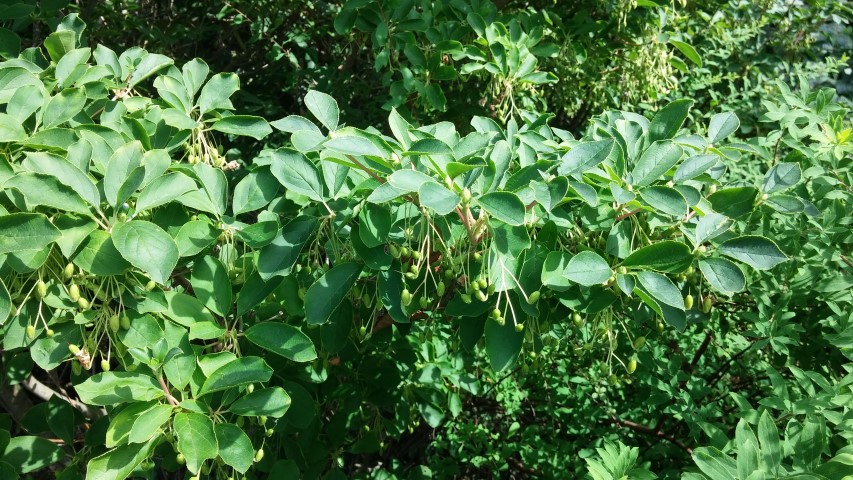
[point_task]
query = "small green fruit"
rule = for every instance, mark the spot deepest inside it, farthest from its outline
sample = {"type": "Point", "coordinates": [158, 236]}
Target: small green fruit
{"type": "Point", "coordinates": [688, 301]}
{"type": "Point", "coordinates": [519, 327]}
{"type": "Point", "coordinates": [181, 459]}
{"type": "Point", "coordinates": [68, 271]}
{"type": "Point", "coordinates": [362, 330]}
{"type": "Point", "coordinates": [74, 349]}
{"type": "Point", "coordinates": [151, 285]}
{"type": "Point", "coordinates": [707, 304]}
{"type": "Point", "coordinates": [49, 332]}
{"type": "Point", "coordinates": [612, 379]}
{"type": "Point", "coordinates": [577, 319]}
{"type": "Point", "coordinates": [481, 296]}
{"type": "Point", "coordinates": [41, 289]}
{"type": "Point", "coordinates": [124, 322]}
{"type": "Point", "coordinates": [74, 292]}
{"type": "Point", "coordinates": [83, 303]}
{"type": "Point", "coordinates": [114, 323]}
{"type": "Point", "coordinates": [250, 388]}
{"type": "Point", "coordinates": [105, 365]}
{"type": "Point", "coordinates": [632, 366]}
{"type": "Point", "coordinates": [534, 297]}
{"type": "Point", "coordinates": [31, 332]}
{"type": "Point", "coordinates": [406, 297]}
{"type": "Point", "coordinates": [259, 455]}
{"type": "Point", "coordinates": [639, 342]}
{"type": "Point", "coordinates": [440, 289]}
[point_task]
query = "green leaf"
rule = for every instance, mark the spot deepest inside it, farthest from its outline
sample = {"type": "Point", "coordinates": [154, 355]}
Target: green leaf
{"type": "Point", "coordinates": [409, 180]}
{"type": "Point", "coordinates": [782, 177]}
{"type": "Point", "coordinates": [242, 371]}
{"type": "Point", "coordinates": [661, 288]}
{"type": "Point", "coordinates": [438, 198]}
{"type": "Point", "coordinates": [723, 275]}
{"type": "Point", "coordinates": [5, 305]}
{"type": "Point", "coordinates": [588, 268]}
{"type": "Point", "coordinates": [297, 173]}
{"type": "Point", "coordinates": [217, 91]}
{"type": "Point", "coordinates": [667, 257]}
{"type": "Point", "coordinates": [747, 455]}
{"type": "Point", "coordinates": [771, 447]}
{"type": "Point", "coordinates": [324, 108]}
{"type": "Point", "coordinates": [163, 190]}
{"type": "Point", "coordinates": [655, 161]}
{"type": "Point", "coordinates": [64, 171]}
{"type": "Point", "coordinates": [278, 258]}
{"type": "Point", "coordinates": [325, 294]}
{"type": "Point", "coordinates": [28, 454]}
{"type": "Point", "coordinates": [147, 247]}
{"type": "Point", "coordinates": [120, 167]}
{"type": "Point", "coordinates": [282, 339]}
{"type": "Point", "coordinates": [235, 448]}
{"type": "Point", "coordinates": [585, 156]}
{"type": "Point", "coordinates": [254, 291]}
{"type": "Point", "coordinates": [39, 189]}
{"type": "Point", "coordinates": [121, 423]}
{"type": "Point", "coordinates": [734, 202]}
{"type": "Point", "coordinates": [668, 120]}
{"type": "Point", "coordinates": [11, 129]}
{"type": "Point", "coordinates": [149, 423]}
{"type": "Point", "coordinates": [195, 236]}
{"type": "Point", "coordinates": [119, 463]}
{"type": "Point", "coordinates": [64, 106]}
{"type": "Point", "coordinates": [374, 225]}
{"type": "Point", "coordinates": [272, 402]}
{"type": "Point", "coordinates": [113, 388]}
{"type": "Point", "coordinates": [665, 200]}
{"type": "Point", "coordinates": [503, 343]}
{"type": "Point", "coordinates": [722, 125]}
{"type": "Point", "coordinates": [260, 234]}
{"type": "Point", "coordinates": [756, 251]}
{"type": "Point", "coordinates": [243, 125]}
{"type": "Point", "coordinates": [688, 51]}
{"type": "Point", "coordinates": [295, 123]}
{"type": "Point", "coordinates": [211, 285]}
{"type": "Point", "coordinates": [26, 231]}
{"type": "Point", "coordinates": [184, 309]}
{"type": "Point", "coordinates": [98, 255]}
{"type": "Point", "coordinates": [254, 191]}
{"type": "Point", "coordinates": [714, 463]}
{"type": "Point", "coordinates": [196, 439]}
{"type": "Point", "coordinates": [504, 206]}
{"type": "Point", "coordinates": [694, 166]}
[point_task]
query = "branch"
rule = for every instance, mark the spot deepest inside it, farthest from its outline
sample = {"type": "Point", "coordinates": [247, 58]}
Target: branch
{"type": "Point", "coordinates": [704, 346]}
{"type": "Point", "coordinates": [34, 386]}
{"type": "Point", "coordinates": [646, 430]}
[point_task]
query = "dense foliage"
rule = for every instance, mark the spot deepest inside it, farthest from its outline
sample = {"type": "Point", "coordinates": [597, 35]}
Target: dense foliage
{"type": "Point", "coordinates": [596, 239]}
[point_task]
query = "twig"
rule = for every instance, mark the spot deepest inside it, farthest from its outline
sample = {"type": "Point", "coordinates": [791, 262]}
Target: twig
{"type": "Point", "coordinates": [172, 401]}
{"type": "Point", "coordinates": [626, 215]}
{"type": "Point", "coordinates": [847, 261]}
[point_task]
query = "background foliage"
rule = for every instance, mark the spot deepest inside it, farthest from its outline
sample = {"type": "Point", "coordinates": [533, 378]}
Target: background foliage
{"type": "Point", "coordinates": [411, 239]}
